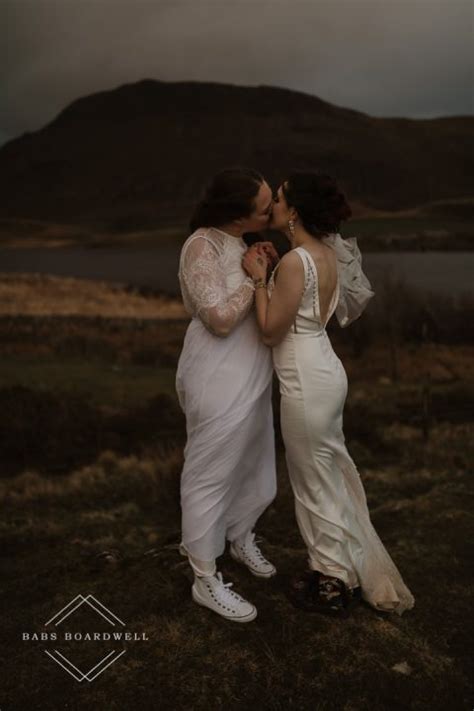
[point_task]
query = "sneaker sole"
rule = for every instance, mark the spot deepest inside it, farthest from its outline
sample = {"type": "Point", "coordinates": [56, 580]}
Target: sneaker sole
{"type": "Point", "coordinates": [252, 570]}
{"type": "Point", "coordinates": [246, 618]}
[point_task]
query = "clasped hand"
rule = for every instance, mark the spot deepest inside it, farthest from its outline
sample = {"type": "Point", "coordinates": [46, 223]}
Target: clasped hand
{"type": "Point", "coordinates": [260, 258]}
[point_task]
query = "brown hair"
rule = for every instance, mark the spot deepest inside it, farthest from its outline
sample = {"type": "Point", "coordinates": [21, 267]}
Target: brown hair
{"type": "Point", "coordinates": [230, 195]}
{"type": "Point", "coordinates": [320, 204]}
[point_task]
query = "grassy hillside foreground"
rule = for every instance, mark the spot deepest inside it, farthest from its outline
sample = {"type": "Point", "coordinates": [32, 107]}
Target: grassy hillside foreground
{"type": "Point", "coordinates": [93, 440]}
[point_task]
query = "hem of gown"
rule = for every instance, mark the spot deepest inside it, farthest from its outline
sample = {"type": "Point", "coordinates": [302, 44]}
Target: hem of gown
{"type": "Point", "coordinates": [399, 608]}
{"type": "Point", "coordinates": [389, 606]}
{"type": "Point", "coordinates": [390, 594]}
{"type": "Point", "coordinates": [338, 573]}
{"type": "Point", "coordinates": [239, 528]}
{"type": "Point", "coordinates": [201, 568]}
{"type": "Point", "coordinates": [247, 524]}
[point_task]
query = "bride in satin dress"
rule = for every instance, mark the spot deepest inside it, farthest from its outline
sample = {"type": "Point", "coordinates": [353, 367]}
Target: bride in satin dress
{"type": "Point", "coordinates": [320, 276]}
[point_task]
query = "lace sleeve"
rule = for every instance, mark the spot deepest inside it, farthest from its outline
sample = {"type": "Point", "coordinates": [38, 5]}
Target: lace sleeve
{"type": "Point", "coordinates": [205, 283]}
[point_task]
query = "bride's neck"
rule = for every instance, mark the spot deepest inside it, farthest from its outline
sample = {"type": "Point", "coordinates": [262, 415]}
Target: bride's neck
{"type": "Point", "coordinates": [232, 230]}
{"type": "Point", "coordinates": [300, 238]}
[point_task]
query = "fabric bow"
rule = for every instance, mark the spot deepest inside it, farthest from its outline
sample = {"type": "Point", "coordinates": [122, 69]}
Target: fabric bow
{"type": "Point", "coordinates": [355, 290]}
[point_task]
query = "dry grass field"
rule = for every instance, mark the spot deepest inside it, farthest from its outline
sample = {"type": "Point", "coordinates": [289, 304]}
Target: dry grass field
{"type": "Point", "coordinates": [48, 295]}
{"type": "Point", "coordinates": [92, 448]}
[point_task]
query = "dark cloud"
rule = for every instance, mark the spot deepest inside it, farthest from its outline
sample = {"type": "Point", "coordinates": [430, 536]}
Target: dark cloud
{"type": "Point", "coordinates": [383, 57]}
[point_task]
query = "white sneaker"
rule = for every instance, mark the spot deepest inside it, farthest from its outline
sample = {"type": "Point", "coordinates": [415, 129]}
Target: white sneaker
{"type": "Point", "coordinates": [211, 592]}
{"type": "Point", "coordinates": [249, 554]}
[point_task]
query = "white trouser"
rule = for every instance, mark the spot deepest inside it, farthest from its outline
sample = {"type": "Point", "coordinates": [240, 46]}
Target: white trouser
{"type": "Point", "coordinates": [204, 568]}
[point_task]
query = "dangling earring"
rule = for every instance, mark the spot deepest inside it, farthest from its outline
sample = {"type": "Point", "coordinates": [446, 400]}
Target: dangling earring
{"type": "Point", "coordinates": [291, 225]}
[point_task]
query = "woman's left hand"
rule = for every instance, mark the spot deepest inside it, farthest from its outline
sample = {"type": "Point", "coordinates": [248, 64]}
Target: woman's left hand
{"type": "Point", "coordinates": [255, 263]}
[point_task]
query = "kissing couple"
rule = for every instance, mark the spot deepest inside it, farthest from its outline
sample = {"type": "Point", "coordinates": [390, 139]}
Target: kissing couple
{"type": "Point", "coordinates": [253, 313]}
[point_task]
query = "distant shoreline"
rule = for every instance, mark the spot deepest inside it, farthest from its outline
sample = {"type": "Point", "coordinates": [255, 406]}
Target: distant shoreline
{"type": "Point", "coordinates": [417, 230]}
{"type": "Point", "coordinates": [423, 242]}
{"type": "Point", "coordinates": [151, 271]}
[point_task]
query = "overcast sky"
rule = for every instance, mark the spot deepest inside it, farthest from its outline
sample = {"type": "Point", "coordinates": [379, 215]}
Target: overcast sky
{"type": "Point", "coordinates": [408, 58]}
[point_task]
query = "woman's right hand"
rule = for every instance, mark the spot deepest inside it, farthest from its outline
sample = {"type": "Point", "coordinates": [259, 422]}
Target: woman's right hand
{"type": "Point", "coordinates": [255, 263]}
{"type": "Point", "coordinates": [269, 249]}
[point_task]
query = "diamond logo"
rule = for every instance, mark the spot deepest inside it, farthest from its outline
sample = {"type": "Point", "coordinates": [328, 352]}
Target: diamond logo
{"type": "Point", "coordinates": [107, 615]}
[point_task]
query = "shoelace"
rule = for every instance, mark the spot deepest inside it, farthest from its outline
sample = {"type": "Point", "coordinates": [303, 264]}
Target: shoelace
{"type": "Point", "coordinates": [228, 594]}
{"type": "Point", "coordinates": [251, 547]}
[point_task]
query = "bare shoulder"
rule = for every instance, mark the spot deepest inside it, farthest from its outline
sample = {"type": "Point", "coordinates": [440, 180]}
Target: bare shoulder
{"type": "Point", "coordinates": [291, 262]}
{"type": "Point", "coordinates": [290, 269]}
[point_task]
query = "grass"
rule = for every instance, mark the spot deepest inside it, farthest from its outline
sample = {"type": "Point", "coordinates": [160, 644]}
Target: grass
{"type": "Point", "coordinates": [56, 533]}
{"type": "Point", "coordinates": [16, 233]}
{"type": "Point", "coordinates": [48, 295]}
{"type": "Point", "coordinates": [109, 384]}
{"type": "Point", "coordinates": [92, 443]}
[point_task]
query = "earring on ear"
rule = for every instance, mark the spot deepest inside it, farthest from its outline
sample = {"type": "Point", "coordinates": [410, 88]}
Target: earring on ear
{"type": "Point", "coordinates": [291, 225]}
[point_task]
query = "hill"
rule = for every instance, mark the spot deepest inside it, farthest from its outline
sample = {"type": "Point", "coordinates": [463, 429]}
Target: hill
{"type": "Point", "coordinates": [137, 156]}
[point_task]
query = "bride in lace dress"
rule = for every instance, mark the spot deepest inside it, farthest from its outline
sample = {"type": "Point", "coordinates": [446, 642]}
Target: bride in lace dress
{"type": "Point", "coordinates": [321, 275]}
{"type": "Point", "coordinates": [224, 386]}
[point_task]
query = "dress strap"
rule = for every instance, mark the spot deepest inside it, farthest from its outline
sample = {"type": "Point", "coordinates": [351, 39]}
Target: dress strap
{"type": "Point", "coordinates": [310, 277]}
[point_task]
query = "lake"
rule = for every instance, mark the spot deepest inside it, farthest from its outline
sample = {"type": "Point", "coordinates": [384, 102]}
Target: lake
{"type": "Point", "coordinates": [440, 272]}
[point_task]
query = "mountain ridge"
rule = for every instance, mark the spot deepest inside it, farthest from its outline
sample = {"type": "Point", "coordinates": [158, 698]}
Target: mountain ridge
{"type": "Point", "coordinates": [140, 153]}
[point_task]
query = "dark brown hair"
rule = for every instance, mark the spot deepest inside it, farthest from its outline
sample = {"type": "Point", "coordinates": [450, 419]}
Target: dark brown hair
{"type": "Point", "coordinates": [230, 195]}
{"type": "Point", "coordinates": [318, 200]}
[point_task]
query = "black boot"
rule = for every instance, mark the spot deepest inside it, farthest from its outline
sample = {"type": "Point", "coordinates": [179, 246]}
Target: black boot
{"type": "Point", "coordinates": [313, 593]}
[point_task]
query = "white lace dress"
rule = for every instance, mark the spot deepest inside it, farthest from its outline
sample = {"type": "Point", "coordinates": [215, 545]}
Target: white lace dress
{"type": "Point", "coordinates": [224, 386]}
{"type": "Point", "coordinates": [330, 501]}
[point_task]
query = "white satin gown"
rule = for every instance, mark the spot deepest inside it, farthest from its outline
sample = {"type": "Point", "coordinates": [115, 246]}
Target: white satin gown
{"type": "Point", "coordinates": [224, 386]}
{"type": "Point", "coordinates": [330, 501]}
